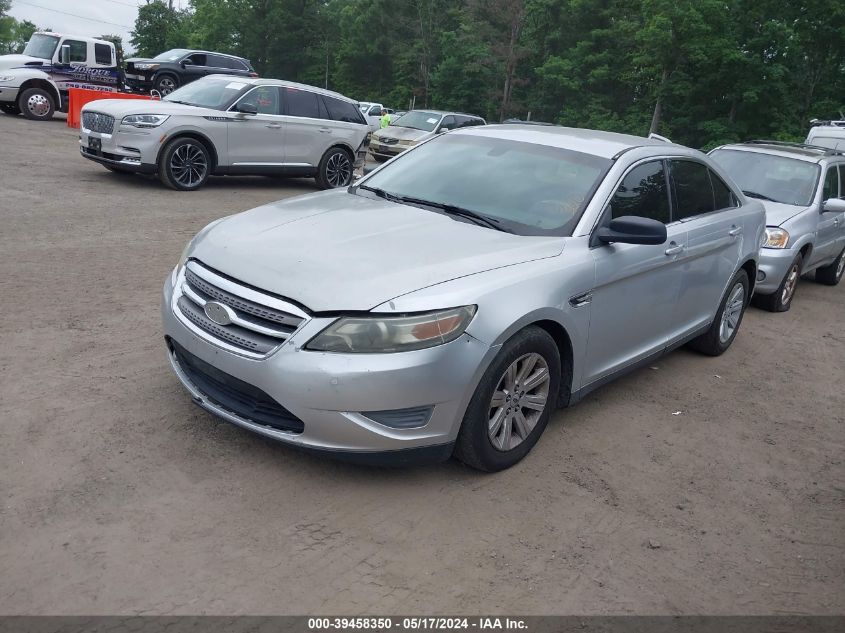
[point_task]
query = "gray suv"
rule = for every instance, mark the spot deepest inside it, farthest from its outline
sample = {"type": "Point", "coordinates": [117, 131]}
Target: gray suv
{"type": "Point", "coordinates": [449, 301]}
{"type": "Point", "coordinates": [802, 188]}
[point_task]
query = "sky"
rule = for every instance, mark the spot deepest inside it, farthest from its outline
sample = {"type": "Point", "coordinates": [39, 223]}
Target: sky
{"type": "Point", "coordinates": [83, 17]}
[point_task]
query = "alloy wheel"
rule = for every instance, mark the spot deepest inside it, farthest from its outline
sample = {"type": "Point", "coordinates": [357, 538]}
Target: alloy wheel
{"type": "Point", "coordinates": [518, 401]}
{"type": "Point", "coordinates": [790, 284]}
{"type": "Point", "coordinates": [166, 85]}
{"type": "Point", "coordinates": [188, 165]}
{"type": "Point", "coordinates": [338, 169]}
{"type": "Point", "coordinates": [732, 313]}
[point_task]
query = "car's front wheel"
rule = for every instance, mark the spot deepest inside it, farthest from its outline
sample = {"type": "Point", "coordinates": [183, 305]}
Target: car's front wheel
{"type": "Point", "coordinates": [184, 164]}
{"type": "Point", "coordinates": [512, 403]}
{"type": "Point", "coordinates": [832, 274]}
{"type": "Point", "coordinates": [37, 104]}
{"type": "Point", "coordinates": [10, 108]}
{"type": "Point", "coordinates": [335, 169]}
{"type": "Point", "coordinates": [165, 84]}
{"type": "Point", "coordinates": [781, 299]}
{"type": "Point", "coordinates": [725, 326]}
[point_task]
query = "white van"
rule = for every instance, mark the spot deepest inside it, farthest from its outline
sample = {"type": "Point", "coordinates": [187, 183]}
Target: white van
{"type": "Point", "coordinates": [827, 134]}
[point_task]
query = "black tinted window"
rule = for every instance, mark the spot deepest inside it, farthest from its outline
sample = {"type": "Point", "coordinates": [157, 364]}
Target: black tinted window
{"type": "Point", "coordinates": [831, 185]}
{"type": "Point", "coordinates": [722, 195]}
{"type": "Point", "coordinates": [197, 59]}
{"type": "Point", "coordinates": [342, 110]}
{"type": "Point", "coordinates": [448, 123]}
{"type": "Point", "coordinates": [643, 193]}
{"type": "Point", "coordinates": [842, 181]}
{"type": "Point", "coordinates": [102, 53]}
{"type": "Point", "coordinates": [301, 103]}
{"type": "Point", "coordinates": [78, 50]}
{"type": "Point", "coordinates": [693, 192]}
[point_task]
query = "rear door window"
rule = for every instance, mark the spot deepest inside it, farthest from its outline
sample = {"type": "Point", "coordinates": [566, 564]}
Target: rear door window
{"type": "Point", "coordinates": [842, 181]}
{"type": "Point", "coordinates": [643, 193]}
{"type": "Point", "coordinates": [693, 191]}
{"type": "Point", "coordinates": [722, 194]}
{"type": "Point", "coordinates": [301, 103]}
{"type": "Point", "coordinates": [342, 110]}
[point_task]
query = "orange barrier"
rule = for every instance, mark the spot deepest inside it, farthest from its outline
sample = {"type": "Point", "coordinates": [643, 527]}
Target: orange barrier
{"type": "Point", "coordinates": [78, 97]}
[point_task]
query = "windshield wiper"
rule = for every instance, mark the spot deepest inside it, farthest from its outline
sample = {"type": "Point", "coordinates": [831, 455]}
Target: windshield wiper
{"type": "Point", "coordinates": [754, 194]}
{"type": "Point", "coordinates": [451, 209]}
{"type": "Point", "coordinates": [381, 193]}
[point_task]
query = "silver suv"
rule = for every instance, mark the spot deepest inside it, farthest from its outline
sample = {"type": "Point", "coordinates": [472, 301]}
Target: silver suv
{"type": "Point", "coordinates": [229, 125]}
{"type": "Point", "coordinates": [453, 298]}
{"type": "Point", "coordinates": [802, 188]}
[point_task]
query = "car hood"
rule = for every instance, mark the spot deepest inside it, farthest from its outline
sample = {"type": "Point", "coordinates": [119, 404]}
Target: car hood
{"type": "Point", "coordinates": [122, 107]}
{"type": "Point", "coordinates": [16, 61]}
{"type": "Point", "coordinates": [337, 251]}
{"type": "Point", "coordinates": [777, 212]}
{"type": "Point", "coordinates": [145, 60]}
{"type": "Point", "coordinates": [403, 133]}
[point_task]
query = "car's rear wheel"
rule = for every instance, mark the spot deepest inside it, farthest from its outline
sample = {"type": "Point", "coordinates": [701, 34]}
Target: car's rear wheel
{"type": "Point", "coordinates": [335, 169]}
{"type": "Point", "coordinates": [832, 275]}
{"type": "Point", "coordinates": [10, 108]}
{"type": "Point", "coordinates": [781, 299]}
{"type": "Point", "coordinates": [166, 83]}
{"type": "Point", "coordinates": [725, 326]}
{"type": "Point", "coordinates": [37, 104]}
{"type": "Point", "coordinates": [512, 403]}
{"type": "Point", "coordinates": [184, 164]}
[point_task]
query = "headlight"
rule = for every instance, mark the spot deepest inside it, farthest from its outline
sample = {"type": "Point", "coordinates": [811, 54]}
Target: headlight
{"type": "Point", "coordinates": [145, 120]}
{"type": "Point", "coordinates": [146, 66]}
{"type": "Point", "coordinates": [6, 77]}
{"type": "Point", "coordinates": [776, 237]}
{"type": "Point", "coordinates": [381, 333]}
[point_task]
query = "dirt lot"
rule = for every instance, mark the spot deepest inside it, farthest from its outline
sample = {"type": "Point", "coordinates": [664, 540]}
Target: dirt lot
{"type": "Point", "coordinates": [117, 495]}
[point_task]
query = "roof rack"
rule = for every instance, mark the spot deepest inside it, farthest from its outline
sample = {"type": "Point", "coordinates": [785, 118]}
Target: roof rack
{"type": "Point", "coordinates": [824, 151]}
{"type": "Point", "coordinates": [819, 122]}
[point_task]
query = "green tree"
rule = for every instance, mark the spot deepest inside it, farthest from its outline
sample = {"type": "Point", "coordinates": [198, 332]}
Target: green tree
{"type": "Point", "coordinates": [158, 28]}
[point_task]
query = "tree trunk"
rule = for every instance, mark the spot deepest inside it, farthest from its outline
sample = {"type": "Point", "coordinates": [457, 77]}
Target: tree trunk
{"type": "Point", "coordinates": [658, 104]}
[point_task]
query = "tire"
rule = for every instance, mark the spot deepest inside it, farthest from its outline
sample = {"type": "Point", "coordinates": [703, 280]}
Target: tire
{"type": "Point", "coordinates": [832, 274]}
{"type": "Point", "coordinates": [336, 169]}
{"type": "Point", "coordinates": [166, 83]}
{"type": "Point", "coordinates": [184, 164]}
{"type": "Point", "coordinates": [495, 448]}
{"type": "Point", "coordinates": [10, 108]}
{"type": "Point", "coordinates": [716, 340]}
{"type": "Point", "coordinates": [781, 299]}
{"type": "Point", "coordinates": [37, 104]}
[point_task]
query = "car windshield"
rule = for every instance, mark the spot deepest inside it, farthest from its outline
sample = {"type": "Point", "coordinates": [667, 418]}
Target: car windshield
{"type": "Point", "coordinates": [770, 177]}
{"type": "Point", "coordinates": [418, 120]}
{"type": "Point", "coordinates": [171, 56]}
{"type": "Point", "coordinates": [525, 188]}
{"type": "Point", "coordinates": [217, 93]}
{"type": "Point", "coordinates": [42, 46]}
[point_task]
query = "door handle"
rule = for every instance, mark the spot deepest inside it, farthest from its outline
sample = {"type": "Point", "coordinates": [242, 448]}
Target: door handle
{"type": "Point", "coordinates": [273, 126]}
{"type": "Point", "coordinates": [326, 130]}
{"type": "Point", "coordinates": [737, 230]}
{"type": "Point", "coordinates": [674, 250]}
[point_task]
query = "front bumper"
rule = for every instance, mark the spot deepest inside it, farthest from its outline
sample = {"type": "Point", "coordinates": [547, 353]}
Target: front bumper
{"type": "Point", "coordinates": [330, 393]}
{"type": "Point", "coordinates": [129, 149]}
{"type": "Point", "coordinates": [137, 83]}
{"type": "Point", "coordinates": [8, 94]}
{"type": "Point", "coordinates": [383, 150]}
{"type": "Point", "coordinates": [773, 265]}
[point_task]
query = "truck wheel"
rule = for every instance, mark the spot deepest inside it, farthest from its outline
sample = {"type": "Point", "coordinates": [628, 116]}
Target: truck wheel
{"type": "Point", "coordinates": [165, 84]}
{"type": "Point", "coordinates": [184, 164]}
{"type": "Point", "coordinates": [10, 108]}
{"type": "Point", "coordinates": [781, 299]}
{"type": "Point", "coordinates": [37, 104]}
{"type": "Point", "coordinates": [832, 274]}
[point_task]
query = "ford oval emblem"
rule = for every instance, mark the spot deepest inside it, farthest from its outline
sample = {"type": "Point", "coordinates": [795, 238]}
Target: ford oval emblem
{"type": "Point", "coordinates": [220, 313]}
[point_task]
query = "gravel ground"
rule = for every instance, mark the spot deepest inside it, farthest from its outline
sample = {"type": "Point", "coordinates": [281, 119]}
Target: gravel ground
{"type": "Point", "coordinates": [119, 496]}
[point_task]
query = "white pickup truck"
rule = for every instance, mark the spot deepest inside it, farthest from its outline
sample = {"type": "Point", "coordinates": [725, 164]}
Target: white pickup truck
{"type": "Point", "coordinates": [36, 82]}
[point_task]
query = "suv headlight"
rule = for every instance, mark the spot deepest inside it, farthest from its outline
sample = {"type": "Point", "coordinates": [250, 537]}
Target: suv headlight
{"type": "Point", "coordinates": [6, 77]}
{"type": "Point", "coordinates": [146, 66]}
{"type": "Point", "coordinates": [383, 334]}
{"type": "Point", "coordinates": [776, 237]}
{"type": "Point", "coordinates": [145, 120]}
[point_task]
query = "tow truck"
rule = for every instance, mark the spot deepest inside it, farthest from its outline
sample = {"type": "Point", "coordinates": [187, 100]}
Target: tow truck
{"type": "Point", "coordinates": [36, 83]}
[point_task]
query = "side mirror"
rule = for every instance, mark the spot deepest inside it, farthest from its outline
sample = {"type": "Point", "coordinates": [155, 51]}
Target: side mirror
{"type": "Point", "coordinates": [833, 205]}
{"type": "Point", "coordinates": [246, 108]}
{"type": "Point", "coordinates": [64, 55]}
{"type": "Point", "coordinates": [631, 229]}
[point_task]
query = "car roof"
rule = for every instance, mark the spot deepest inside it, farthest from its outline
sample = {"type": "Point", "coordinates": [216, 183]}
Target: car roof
{"type": "Point", "coordinates": [82, 38]}
{"type": "Point", "coordinates": [799, 151]}
{"type": "Point", "coordinates": [263, 81]}
{"type": "Point", "coordinates": [197, 50]}
{"type": "Point", "coordinates": [445, 112]}
{"type": "Point", "coordinates": [596, 142]}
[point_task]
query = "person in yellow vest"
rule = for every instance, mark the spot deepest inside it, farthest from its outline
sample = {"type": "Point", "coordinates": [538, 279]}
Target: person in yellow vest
{"type": "Point", "coordinates": [385, 119]}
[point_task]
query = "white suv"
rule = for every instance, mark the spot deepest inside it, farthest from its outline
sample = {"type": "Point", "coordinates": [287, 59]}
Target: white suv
{"type": "Point", "coordinates": [222, 125]}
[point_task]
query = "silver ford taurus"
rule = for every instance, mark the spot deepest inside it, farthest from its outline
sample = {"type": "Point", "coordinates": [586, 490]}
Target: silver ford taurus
{"type": "Point", "coordinates": [450, 300]}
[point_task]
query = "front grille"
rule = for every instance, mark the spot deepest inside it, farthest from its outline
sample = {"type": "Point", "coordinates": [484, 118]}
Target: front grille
{"type": "Point", "coordinates": [255, 327]}
{"type": "Point", "coordinates": [234, 395]}
{"type": "Point", "coordinates": [98, 122]}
